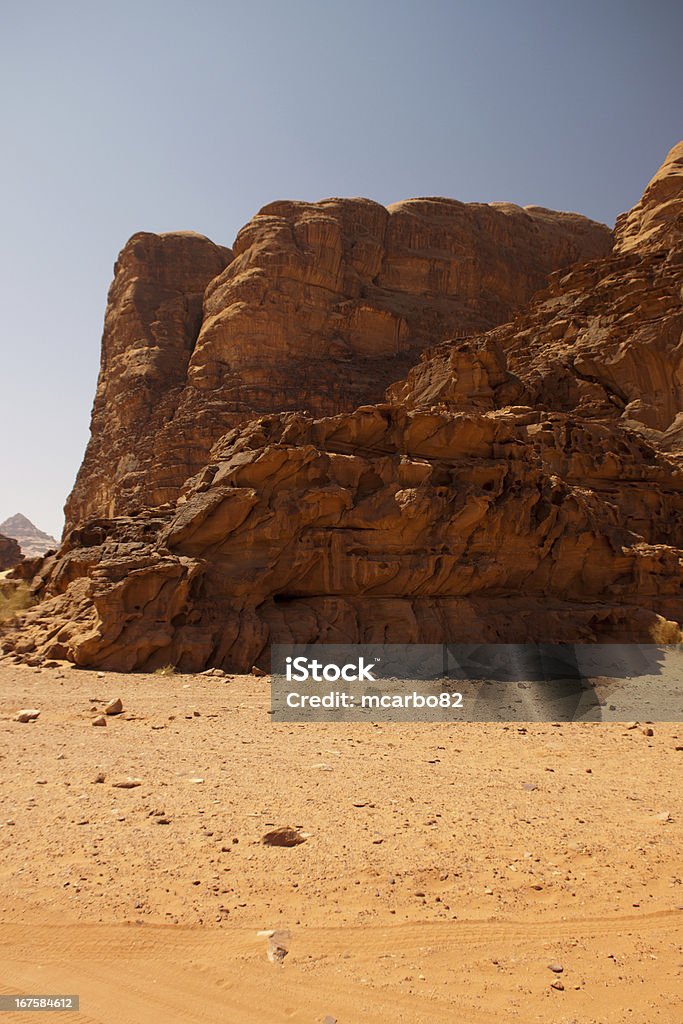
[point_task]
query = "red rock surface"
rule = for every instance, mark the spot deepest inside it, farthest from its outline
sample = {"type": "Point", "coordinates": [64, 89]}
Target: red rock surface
{"type": "Point", "coordinates": [319, 307]}
{"type": "Point", "coordinates": [153, 317]}
{"type": "Point", "coordinates": [524, 483]}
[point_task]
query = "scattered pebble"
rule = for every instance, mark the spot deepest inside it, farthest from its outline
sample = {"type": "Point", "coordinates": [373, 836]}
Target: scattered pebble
{"type": "Point", "coordinates": [556, 968]}
{"type": "Point", "coordinates": [127, 783]}
{"type": "Point", "coordinates": [100, 720]}
{"type": "Point", "coordinates": [99, 777]}
{"type": "Point", "coordinates": [284, 836]}
{"type": "Point", "coordinates": [114, 707]}
{"type": "Point", "coordinates": [27, 715]}
{"type": "Point", "coordinates": [278, 946]}
{"type": "Point", "coordinates": [648, 731]}
{"type": "Point", "coordinates": [558, 985]}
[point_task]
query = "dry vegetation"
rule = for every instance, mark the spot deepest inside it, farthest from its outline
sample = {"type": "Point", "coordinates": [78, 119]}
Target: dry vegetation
{"type": "Point", "coordinates": [15, 597]}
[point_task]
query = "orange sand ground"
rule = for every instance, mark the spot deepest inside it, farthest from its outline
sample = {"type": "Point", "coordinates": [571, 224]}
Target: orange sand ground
{"type": "Point", "coordinates": [447, 865]}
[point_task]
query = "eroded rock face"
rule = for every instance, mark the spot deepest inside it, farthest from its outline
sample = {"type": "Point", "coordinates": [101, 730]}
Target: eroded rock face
{"type": "Point", "coordinates": [656, 222]}
{"type": "Point", "coordinates": [604, 340]}
{"type": "Point", "coordinates": [153, 318]}
{"type": "Point", "coordinates": [524, 483]}
{"type": "Point", "coordinates": [319, 307]}
{"type": "Point", "coordinates": [384, 525]}
{"type": "Point", "coordinates": [10, 553]}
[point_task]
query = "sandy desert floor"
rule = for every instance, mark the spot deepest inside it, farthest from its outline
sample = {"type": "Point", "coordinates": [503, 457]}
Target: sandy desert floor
{"type": "Point", "coordinates": [446, 866]}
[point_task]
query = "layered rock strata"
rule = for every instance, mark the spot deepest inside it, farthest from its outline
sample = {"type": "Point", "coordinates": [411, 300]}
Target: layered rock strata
{"type": "Point", "coordinates": [319, 306]}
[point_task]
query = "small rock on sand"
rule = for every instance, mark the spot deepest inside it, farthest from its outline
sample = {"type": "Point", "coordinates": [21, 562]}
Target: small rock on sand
{"type": "Point", "coordinates": [27, 715]}
{"type": "Point", "coordinates": [278, 945]}
{"type": "Point", "coordinates": [100, 720]}
{"type": "Point", "coordinates": [127, 783]}
{"type": "Point", "coordinates": [284, 836]}
{"type": "Point", "coordinates": [114, 707]}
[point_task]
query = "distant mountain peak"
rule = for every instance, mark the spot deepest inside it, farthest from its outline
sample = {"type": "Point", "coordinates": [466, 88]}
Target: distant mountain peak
{"type": "Point", "coordinates": [33, 542]}
{"type": "Point", "coordinates": [19, 520]}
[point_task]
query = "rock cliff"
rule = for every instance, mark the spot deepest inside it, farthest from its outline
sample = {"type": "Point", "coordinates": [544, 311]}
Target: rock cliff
{"type": "Point", "coordinates": [319, 306]}
{"type": "Point", "coordinates": [522, 483]}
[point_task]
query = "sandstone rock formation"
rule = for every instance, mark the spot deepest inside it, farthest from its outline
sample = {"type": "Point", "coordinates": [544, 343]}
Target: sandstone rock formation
{"type": "Point", "coordinates": [319, 306]}
{"type": "Point", "coordinates": [10, 553]}
{"type": "Point", "coordinates": [604, 340]}
{"type": "Point", "coordinates": [523, 483]}
{"type": "Point", "coordinates": [153, 317]}
{"type": "Point", "coordinates": [655, 222]}
{"type": "Point", "coordinates": [33, 542]}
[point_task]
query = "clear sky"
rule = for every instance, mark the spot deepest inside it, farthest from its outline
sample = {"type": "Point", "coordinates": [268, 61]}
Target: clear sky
{"type": "Point", "coordinates": [160, 115]}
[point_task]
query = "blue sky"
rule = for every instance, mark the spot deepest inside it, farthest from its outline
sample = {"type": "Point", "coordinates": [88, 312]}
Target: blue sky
{"type": "Point", "coordinates": [191, 115]}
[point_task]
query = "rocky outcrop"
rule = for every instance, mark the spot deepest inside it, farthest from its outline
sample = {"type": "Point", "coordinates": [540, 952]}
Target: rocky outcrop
{"type": "Point", "coordinates": [604, 340]}
{"type": "Point", "coordinates": [153, 318]}
{"type": "Point", "coordinates": [521, 484]}
{"type": "Point", "coordinates": [10, 553]}
{"type": "Point", "coordinates": [319, 306]}
{"type": "Point", "coordinates": [382, 525]}
{"type": "Point", "coordinates": [656, 222]}
{"type": "Point", "coordinates": [32, 541]}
